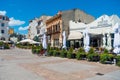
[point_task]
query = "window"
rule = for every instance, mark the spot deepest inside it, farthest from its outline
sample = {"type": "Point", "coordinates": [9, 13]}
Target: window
{"type": "Point", "coordinates": [39, 22]}
{"type": "Point", "coordinates": [56, 42]}
{"type": "Point", "coordinates": [3, 18]}
{"type": "Point", "coordinates": [2, 31]}
{"type": "Point", "coordinates": [38, 31]}
{"type": "Point", "coordinates": [58, 27]}
{"type": "Point", "coordinates": [2, 24]}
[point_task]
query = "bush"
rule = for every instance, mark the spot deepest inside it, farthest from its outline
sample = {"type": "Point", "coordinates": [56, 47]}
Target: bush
{"type": "Point", "coordinates": [50, 53]}
{"type": "Point", "coordinates": [91, 51]}
{"type": "Point", "coordinates": [118, 64]}
{"type": "Point", "coordinates": [73, 55]}
{"type": "Point", "coordinates": [38, 51]}
{"type": "Point", "coordinates": [93, 57]}
{"type": "Point", "coordinates": [54, 53]}
{"type": "Point", "coordinates": [105, 51]}
{"type": "Point", "coordinates": [63, 53]}
{"type": "Point", "coordinates": [24, 46]}
{"type": "Point", "coordinates": [105, 57]}
{"type": "Point", "coordinates": [81, 50]}
{"type": "Point", "coordinates": [80, 55]}
{"type": "Point", "coordinates": [48, 47]}
{"type": "Point", "coordinates": [69, 55]}
{"type": "Point", "coordinates": [57, 53]}
{"type": "Point", "coordinates": [40, 47]}
{"type": "Point", "coordinates": [33, 49]}
{"type": "Point", "coordinates": [6, 46]}
{"type": "Point", "coordinates": [118, 60]}
{"type": "Point", "coordinates": [1, 43]}
{"type": "Point", "coordinates": [71, 49]}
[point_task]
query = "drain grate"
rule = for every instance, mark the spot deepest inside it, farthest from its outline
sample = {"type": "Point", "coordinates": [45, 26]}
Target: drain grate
{"type": "Point", "coordinates": [100, 74]}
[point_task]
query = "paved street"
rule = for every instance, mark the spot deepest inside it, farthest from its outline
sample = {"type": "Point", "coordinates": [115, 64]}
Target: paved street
{"type": "Point", "coordinates": [21, 64]}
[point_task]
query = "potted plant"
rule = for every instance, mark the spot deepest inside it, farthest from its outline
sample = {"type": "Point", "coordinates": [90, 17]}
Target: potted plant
{"type": "Point", "coordinates": [92, 56]}
{"type": "Point", "coordinates": [80, 54]}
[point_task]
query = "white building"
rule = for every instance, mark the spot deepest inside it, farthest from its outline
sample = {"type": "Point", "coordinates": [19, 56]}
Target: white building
{"type": "Point", "coordinates": [37, 27]}
{"type": "Point", "coordinates": [4, 28]}
{"type": "Point", "coordinates": [41, 28]}
{"type": "Point", "coordinates": [32, 31]}
{"type": "Point", "coordinates": [101, 27]}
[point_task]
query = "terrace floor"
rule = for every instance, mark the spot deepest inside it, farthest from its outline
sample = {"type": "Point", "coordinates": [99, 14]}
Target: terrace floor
{"type": "Point", "coordinates": [21, 64]}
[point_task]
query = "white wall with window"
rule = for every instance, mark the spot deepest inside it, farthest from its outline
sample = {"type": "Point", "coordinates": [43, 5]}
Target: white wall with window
{"type": "Point", "coordinates": [4, 27]}
{"type": "Point", "coordinates": [32, 28]}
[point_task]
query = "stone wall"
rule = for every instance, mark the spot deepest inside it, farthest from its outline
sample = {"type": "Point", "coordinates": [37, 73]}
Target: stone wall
{"type": "Point", "coordinates": [75, 15]}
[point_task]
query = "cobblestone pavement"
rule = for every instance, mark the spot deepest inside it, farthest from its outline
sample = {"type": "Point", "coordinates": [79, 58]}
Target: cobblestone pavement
{"type": "Point", "coordinates": [21, 64]}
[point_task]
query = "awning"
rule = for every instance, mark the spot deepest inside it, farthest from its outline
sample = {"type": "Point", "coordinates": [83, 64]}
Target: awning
{"type": "Point", "coordinates": [75, 35]}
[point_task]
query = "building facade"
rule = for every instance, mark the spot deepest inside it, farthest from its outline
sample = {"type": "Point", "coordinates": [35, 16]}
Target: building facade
{"type": "Point", "coordinates": [4, 28]}
{"type": "Point", "coordinates": [101, 31]}
{"type": "Point", "coordinates": [37, 27]}
{"type": "Point", "coordinates": [32, 31]}
{"type": "Point", "coordinates": [60, 22]}
{"type": "Point", "coordinates": [41, 27]}
{"type": "Point", "coordinates": [54, 30]}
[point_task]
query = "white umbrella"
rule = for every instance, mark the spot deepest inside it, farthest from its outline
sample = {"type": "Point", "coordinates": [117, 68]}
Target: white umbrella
{"type": "Point", "coordinates": [116, 42]}
{"type": "Point", "coordinates": [29, 41]}
{"type": "Point", "coordinates": [109, 41]}
{"type": "Point", "coordinates": [44, 44]}
{"type": "Point", "coordinates": [34, 42]}
{"type": "Point", "coordinates": [104, 41]}
{"type": "Point", "coordinates": [26, 40]}
{"type": "Point", "coordinates": [86, 40]}
{"type": "Point", "coordinates": [64, 40]}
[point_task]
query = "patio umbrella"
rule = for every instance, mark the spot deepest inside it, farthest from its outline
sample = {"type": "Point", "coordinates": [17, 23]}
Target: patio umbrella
{"type": "Point", "coordinates": [44, 44]}
{"type": "Point", "coordinates": [86, 40]}
{"type": "Point", "coordinates": [26, 40]}
{"type": "Point", "coordinates": [64, 40]}
{"type": "Point", "coordinates": [104, 41]}
{"type": "Point", "coordinates": [116, 42]}
{"type": "Point", "coordinates": [29, 41]}
{"type": "Point", "coordinates": [109, 41]}
{"type": "Point", "coordinates": [34, 42]}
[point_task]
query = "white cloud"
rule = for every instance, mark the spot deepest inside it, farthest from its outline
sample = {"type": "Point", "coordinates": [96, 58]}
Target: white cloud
{"type": "Point", "coordinates": [2, 12]}
{"type": "Point", "coordinates": [14, 22]}
{"type": "Point", "coordinates": [23, 28]}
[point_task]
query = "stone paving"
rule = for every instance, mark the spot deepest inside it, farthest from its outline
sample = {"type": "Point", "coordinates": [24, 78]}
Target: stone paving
{"type": "Point", "coordinates": [21, 64]}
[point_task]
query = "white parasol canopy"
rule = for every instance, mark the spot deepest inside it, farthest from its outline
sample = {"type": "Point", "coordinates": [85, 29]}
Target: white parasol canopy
{"type": "Point", "coordinates": [86, 40]}
{"type": "Point", "coordinates": [104, 41]}
{"type": "Point", "coordinates": [29, 41]}
{"type": "Point", "coordinates": [44, 44]}
{"type": "Point", "coordinates": [109, 47]}
{"type": "Point", "coordinates": [116, 43]}
{"type": "Point", "coordinates": [64, 40]}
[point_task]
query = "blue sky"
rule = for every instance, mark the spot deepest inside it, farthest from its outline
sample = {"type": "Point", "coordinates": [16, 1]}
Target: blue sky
{"type": "Point", "coordinates": [21, 11]}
